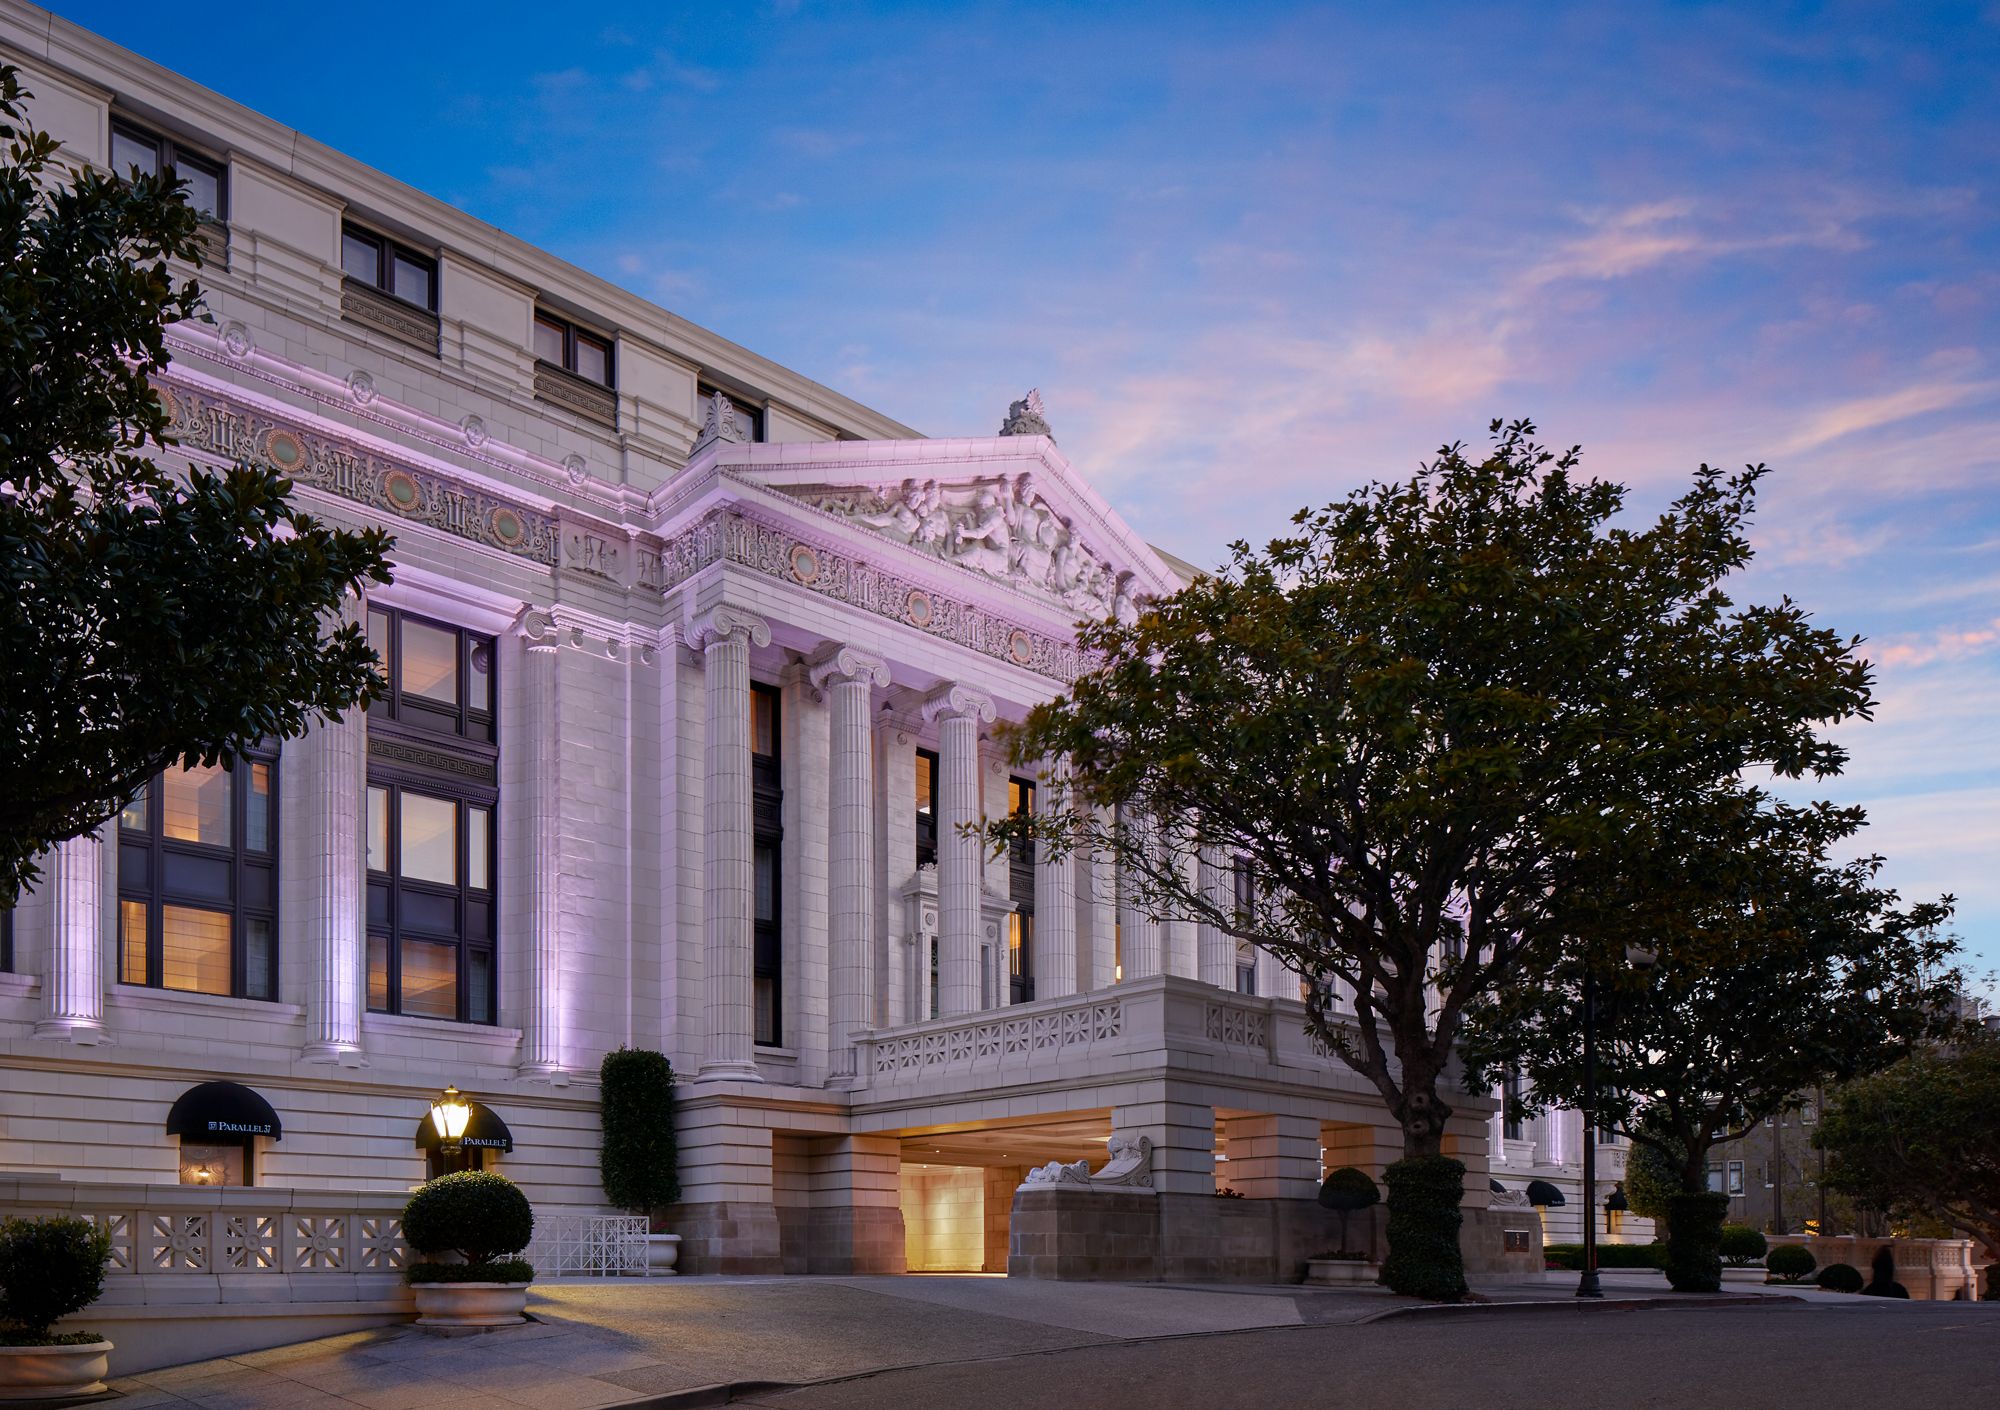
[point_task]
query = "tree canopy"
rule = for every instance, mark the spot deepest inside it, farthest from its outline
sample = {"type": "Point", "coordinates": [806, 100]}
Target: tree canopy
{"type": "Point", "coordinates": [1429, 720]}
{"type": "Point", "coordinates": [146, 615]}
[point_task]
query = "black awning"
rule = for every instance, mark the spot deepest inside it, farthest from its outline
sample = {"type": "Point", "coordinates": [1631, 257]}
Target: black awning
{"type": "Point", "coordinates": [223, 1109]}
{"type": "Point", "coordinates": [1616, 1201]}
{"type": "Point", "coordinates": [1543, 1195]}
{"type": "Point", "coordinates": [1495, 1186]}
{"type": "Point", "coordinates": [484, 1130]}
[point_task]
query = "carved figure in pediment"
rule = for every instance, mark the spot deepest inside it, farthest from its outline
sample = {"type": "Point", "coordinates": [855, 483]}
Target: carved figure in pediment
{"type": "Point", "coordinates": [899, 514]}
{"type": "Point", "coordinates": [1035, 549]}
{"type": "Point", "coordinates": [1125, 600]}
{"type": "Point", "coordinates": [982, 539]}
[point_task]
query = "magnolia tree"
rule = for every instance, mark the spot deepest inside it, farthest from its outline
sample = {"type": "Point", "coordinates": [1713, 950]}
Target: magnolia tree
{"type": "Point", "coordinates": [146, 615]}
{"type": "Point", "coordinates": [1736, 967]}
{"type": "Point", "coordinates": [1424, 722]}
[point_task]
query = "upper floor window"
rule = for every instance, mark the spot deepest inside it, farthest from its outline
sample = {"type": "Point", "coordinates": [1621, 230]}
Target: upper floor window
{"type": "Point", "coordinates": [563, 344]}
{"type": "Point", "coordinates": [749, 418]}
{"type": "Point", "coordinates": [767, 969]}
{"type": "Point", "coordinates": [197, 881]}
{"type": "Point", "coordinates": [431, 887]}
{"type": "Point", "coordinates": [381, 263]}
{"type": "Point", "coordinates": [134, 148]}
{"type": "Point", "coordinates": [440, 677]}
{"type": "Point", "coordinates": [1246, 968]}
{"type": "Point", "coordinates": [1021, 891]}
{"type": "Point", "coordinates": [1513, 1092]}
{"type": "Point", "coordinates": [927, 807]}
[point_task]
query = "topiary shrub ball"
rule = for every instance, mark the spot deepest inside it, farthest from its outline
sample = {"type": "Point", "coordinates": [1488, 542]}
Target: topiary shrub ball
{"type": "Point", "coordinates": [1840, 1277]}
{"type": "Point", "coordinates": [1790, 1262]}
{"type": "Point", "coordinates": [476, 1214]}
{"type": "Point", "coordinates": [49, 1269]}
{"type": "Point", "coordinates": [1348, 1189]}
{"type": "Point", "coordinates": [1742, 1245]}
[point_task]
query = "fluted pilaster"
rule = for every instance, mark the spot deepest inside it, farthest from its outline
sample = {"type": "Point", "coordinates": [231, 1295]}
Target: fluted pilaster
{"type": "Point", "coordinates": [541, 1036]}
{"type": "Point", "coordinates": [1055, 897]}
{"type": "Point", "coordinates": [1216, 947]}
{"type": "Point", "coordinates": [1138, 929]}
{"type": "Point", "coordinates": [73, 983]}
{"type": "Point", "coordinates": [335, 778]}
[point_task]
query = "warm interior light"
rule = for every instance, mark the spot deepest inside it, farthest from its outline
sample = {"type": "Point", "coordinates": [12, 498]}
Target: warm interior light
{"type": "Point", "coordinates": [203, 1174]}
{"type": "Point", "coordinates": [450, 1113]}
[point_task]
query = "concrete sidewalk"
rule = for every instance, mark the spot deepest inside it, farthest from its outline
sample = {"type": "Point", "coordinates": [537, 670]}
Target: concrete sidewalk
{"type": "Point", "coordinates": [602, 1343]}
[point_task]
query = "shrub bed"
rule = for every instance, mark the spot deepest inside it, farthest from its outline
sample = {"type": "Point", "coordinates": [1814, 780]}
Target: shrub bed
{"type": "Point", "coordinates": [1570, 1256]}
{"type": "Point", "coordinates": [1424, 1259]}
{"type": "Point", "coordinates": [477, 1214]}
{"type": "Point", "coordinates": [49, 1269]}
{"type": "Point", "coordinates": [1840, 1277]}
{"type": "Point", "coordinates": [504, 1270]}
{"type": "Point", "coordinates": [1791, 1262]}
{"type": "Point", "coordinates": [1742, 1245]}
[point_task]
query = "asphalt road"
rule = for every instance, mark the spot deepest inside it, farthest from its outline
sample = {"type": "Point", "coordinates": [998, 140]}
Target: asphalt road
{"type": "Point", "coordinates": [1865, 1355]}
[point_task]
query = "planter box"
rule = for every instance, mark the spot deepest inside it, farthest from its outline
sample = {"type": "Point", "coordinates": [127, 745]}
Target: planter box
{"type": "Point", "coordinates": [470, 1304]}
{"type": "Point", "coordinates": [663, 1251]}
{"type": "Point", "coordinates": [1342, 1272]}
{"type": "Point", "coordinates": [48, 1372]}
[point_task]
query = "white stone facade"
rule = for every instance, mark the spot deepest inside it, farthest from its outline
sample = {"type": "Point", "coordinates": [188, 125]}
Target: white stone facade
{"type": "Point", "coordinates": [654, 574]}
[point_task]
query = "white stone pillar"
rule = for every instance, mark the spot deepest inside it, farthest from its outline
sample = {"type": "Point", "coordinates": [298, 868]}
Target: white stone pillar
{"type": "Point", "coordinates": [1274, 1157]}
{"type": "Point", "coordinates": [895, 861]}
{"type": "Point", "coordinates": [1183, 1137]}
{"type": "Point", "coordinates": [541, 1028]}
{"type": "Point", "coordinates": [725, 634]}
{"type": "Point", "coordinates": [847, 677]}
{"type": "Point", "coordinates": [1055, 898]}
{"type": "Point", "coordinates": [1097, 912]}
{"type": "Point", "coordinates": [73, 983]}
{"type": "Point", "coordinates": [335, 808]}
{"type": "Point", "coordinates": [958, 712]}
{"type": "Point", "coordinates": [1216, 947]}
{"type": "Point", "coordinates": [1138, 930]}
{"type": "Point", "coordinates": [1274, 980]}
{"type": "Point", "coordinates": [1179, 935]}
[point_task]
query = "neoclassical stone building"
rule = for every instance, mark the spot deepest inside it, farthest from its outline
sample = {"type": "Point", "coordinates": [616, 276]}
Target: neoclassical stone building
{"type": "Point", "coordinates": [694, 668]}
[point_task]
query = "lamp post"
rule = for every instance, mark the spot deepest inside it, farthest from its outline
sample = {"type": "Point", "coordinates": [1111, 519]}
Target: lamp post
{"type": "Point", "coordinates": [1587, 1285]}
{"type": "Point", "coordinates": [450, 1112]}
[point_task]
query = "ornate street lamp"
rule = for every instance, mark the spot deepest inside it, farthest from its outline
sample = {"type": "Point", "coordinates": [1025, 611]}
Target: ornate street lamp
{"type": "Point", "coordinates": [1643, 960]}
{"type": "Point", "coordinates": [450, 1112]}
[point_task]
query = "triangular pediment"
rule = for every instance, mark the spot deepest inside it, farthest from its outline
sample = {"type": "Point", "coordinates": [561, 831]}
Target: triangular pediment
{"type": "Point", "coordinates": [1010, 508]}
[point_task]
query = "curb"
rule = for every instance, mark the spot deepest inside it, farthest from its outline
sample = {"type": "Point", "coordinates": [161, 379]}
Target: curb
{"type": "Point", "coordinates": [1552, 1306]}
{"type": "Point", "coordinates": [721, 1393]}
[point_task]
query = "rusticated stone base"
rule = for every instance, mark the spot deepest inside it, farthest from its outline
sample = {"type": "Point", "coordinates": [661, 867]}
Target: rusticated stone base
{"type": "Point", "coordinates": [1086, 1235]}
{"type": "Point", "coordinates": [727, 1237]}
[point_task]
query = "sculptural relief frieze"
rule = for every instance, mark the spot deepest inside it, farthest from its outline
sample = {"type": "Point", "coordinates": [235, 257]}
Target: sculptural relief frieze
{"type": "Point", "coordinates": [1000, 527]}
{"type": "Point", "coordinates": [202, 421]}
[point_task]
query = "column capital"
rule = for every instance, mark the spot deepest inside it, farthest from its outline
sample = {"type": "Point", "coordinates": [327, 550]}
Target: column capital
{"type": "Point", "coordinates": [952, 701]}
{"type": "Point", "coordinates": [725, 621]}
{"type": "Point", "coordinates": [536, 626]}
{"type": "Point", "coordinates": [837, 661]}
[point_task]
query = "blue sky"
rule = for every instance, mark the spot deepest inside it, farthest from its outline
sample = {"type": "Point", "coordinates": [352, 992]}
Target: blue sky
{"type": "Point", "coordinates": [1255, 254]}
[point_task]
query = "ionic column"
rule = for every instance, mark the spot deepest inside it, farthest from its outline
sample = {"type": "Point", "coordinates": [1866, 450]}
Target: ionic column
{"type": "Point", "coordinates": [1180, 939]}
{"type": "Point", "coordinates": [958, 712]}
{"type": "Point", "coordinates": [541, 1029]}
{"type": "Point", "coordinates": [724, 635]}
{"type": "Point", "coordinates": [1097, 909]}
{"type": "Point", "coordinates": [1216, 947]}
{"type": "Point", "coordinates": [334, 775]}
{"type": "Point", "coordinates": [1138, 930]}
{"type": "Point", "coordinates": [847, 678]}
{"type": "Point", "coordinates": [73, 983]}
{"type": "Point", "coordinates": [1055, 898]}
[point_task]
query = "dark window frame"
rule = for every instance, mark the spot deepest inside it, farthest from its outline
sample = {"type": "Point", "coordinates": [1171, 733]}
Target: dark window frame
{"type": "Point", "coordinates": [427, 718]}
{"type": "Point", "coordinates": [767, 942]}
{"type": "Point", "coordinates": [1021, 891]}
{"type": "Point", "coordinates": [7, 940]}
{"type": "Point", "coordinates": [745, 412]}
{"type": "Point", "coordinates": [170, 153]}
{"type": "Point", "coordinates": [387, 250]}
{"type": "Point", "coordinates": [927, 822]}
{"type": "Point", "coordinates": [572, 334]}
{"type": "Point", "coordinates": [143, 871]}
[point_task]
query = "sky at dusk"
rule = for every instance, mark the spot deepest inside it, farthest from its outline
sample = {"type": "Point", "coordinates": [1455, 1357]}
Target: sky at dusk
{"type": "Point", "coordinates": [1254, 255]}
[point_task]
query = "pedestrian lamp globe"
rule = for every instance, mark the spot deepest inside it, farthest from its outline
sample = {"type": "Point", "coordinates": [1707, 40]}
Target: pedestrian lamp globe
{"type": "Point", "coordinates": [449, 1114]}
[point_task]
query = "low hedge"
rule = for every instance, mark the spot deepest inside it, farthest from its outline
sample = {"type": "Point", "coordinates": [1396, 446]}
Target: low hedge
{"type": "Point", "coordinates": [1570, 1256]}
{"type": "Point", "coordinates": [1791, 1262]}
{"type": "Point", "coordinates": [504, 1270]}
{"type": "Point", "coordinates": [1840, 1277]}
{"type": "Point", "coordinates": [1424, 1259]}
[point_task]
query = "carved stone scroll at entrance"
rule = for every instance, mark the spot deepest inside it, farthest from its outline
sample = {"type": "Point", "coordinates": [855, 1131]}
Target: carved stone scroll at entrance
{"type": "Point", "coordinates": [1076, 1175]}
{"type": "Point", "coordinates": [1129, 1169]}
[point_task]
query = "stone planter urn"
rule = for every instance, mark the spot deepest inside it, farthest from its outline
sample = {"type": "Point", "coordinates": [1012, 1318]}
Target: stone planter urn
{"type": "Point", "coordinates": [1342, 1272]}
{"type": "Point", "coordinates": [470, 1304]}
{"type": "Point", "coordinates": [663, 1252]}
{"type": "Point", "coordinates": [48, 1372]}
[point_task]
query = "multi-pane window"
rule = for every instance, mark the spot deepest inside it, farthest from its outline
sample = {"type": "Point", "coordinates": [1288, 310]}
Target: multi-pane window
{"type": "Point", "coordinates": [561, 343]}
{"type": "Point", "coordinates": [1246, 968]}
{"type": "Point", "coordinates": [1021, 890]}
{"type": "Point", "coordinates": [197, 881]}
{"type": "Point", "coordinates": [431, 829]}
{"type": "Point", "coordinates": [394, 269]}
{"type": "Point", "coordinates": [149, 154]}
{"type": "Point", "coordinates": [1735, 1178]}
{"type": "Point", "coordinates": [927, 808]}
{"type": "Point", "coordinates": [1513, 1091]}
{"type": "Point", "coordinates": [749, 419]}
{"type": "Point", "coordinates": [767, 996]}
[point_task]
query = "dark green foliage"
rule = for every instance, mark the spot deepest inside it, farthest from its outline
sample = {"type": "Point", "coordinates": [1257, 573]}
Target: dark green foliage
{"type": "Point", "coordinates": [1882, 1275]}
{"type": "Point", "coordinates": [1346, 1191]}
{"type": "Point", "coordinates": [1791, 1262]}
{"type": "Point", "coordinates": [1424, 1259]}
{"type": "Point", "coordinates": [476, 1214]}
{"type": "Point", "coordinates": [1922, 1138]}
{"type": "Point", "coordinates": [638, 1158]}
{"type": "Point", "coordinates": [1693, 1259]}
{"type": "Point", "coordinates": [1840, 1277]}
{"type": "Point", "coordinates": [1652, 1177]}
{"type": "Point", "coordinates": [1570, 1256]}
{"type": "Point", "coordinates": [146, 615]}
{"type": "Point", "coordinates": [49, 1269]}
{"type": "Point", "coordinates": [1742, 1245]}
{"type": "Point", "coordinates": [500, 1270]}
